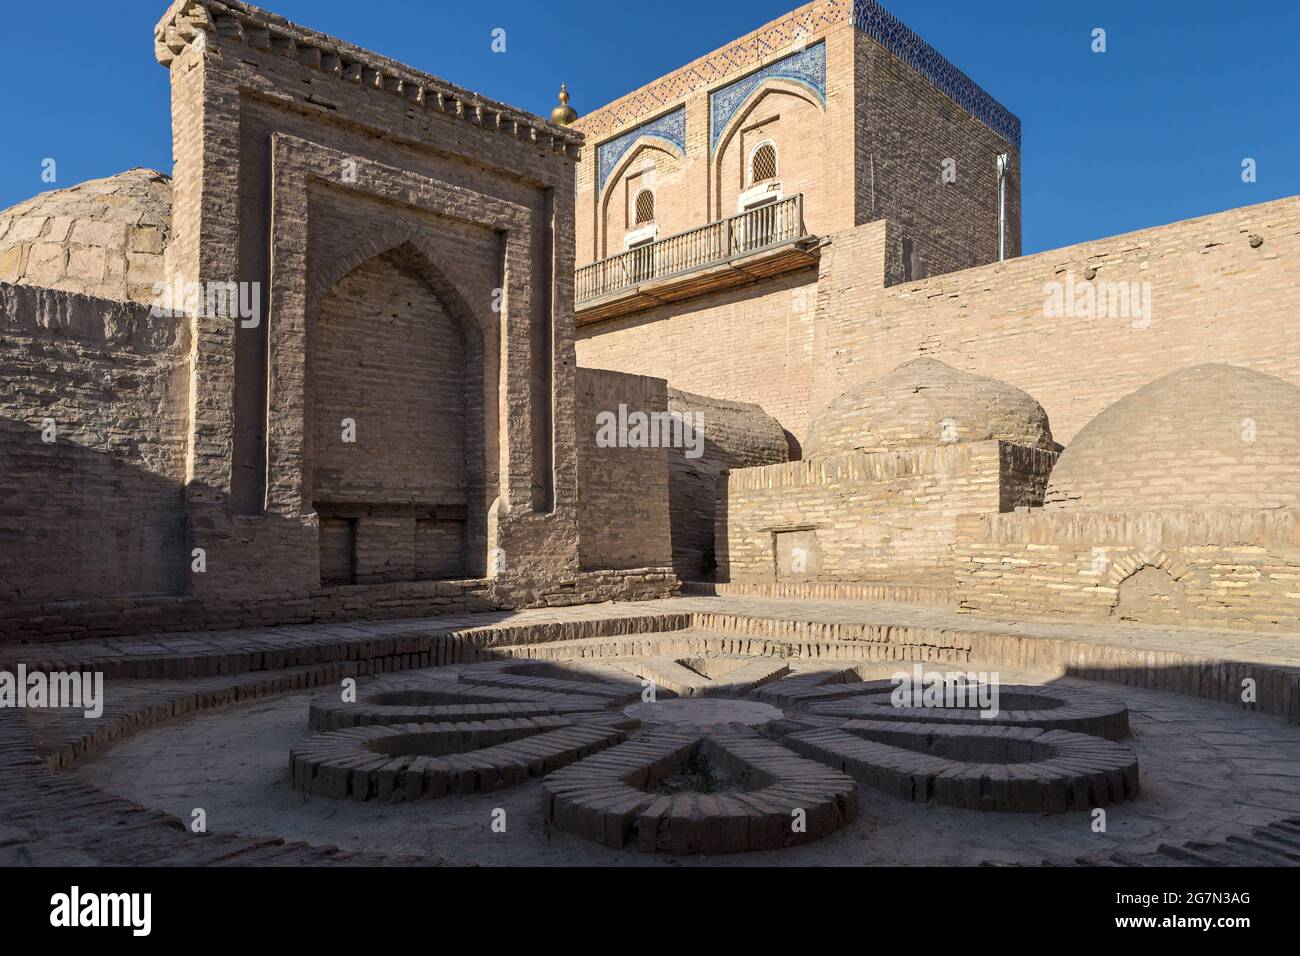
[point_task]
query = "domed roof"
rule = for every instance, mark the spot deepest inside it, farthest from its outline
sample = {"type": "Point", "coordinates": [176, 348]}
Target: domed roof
{"type": "Point", "coordinates": [1204, 438]}
{"type": "Point", "coordinates": [924, 403]}
{"type": "Point", "coordinates": [104, 237]}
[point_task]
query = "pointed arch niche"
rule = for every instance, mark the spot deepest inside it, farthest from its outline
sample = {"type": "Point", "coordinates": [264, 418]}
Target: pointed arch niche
{"type": "Point", "coordinates": [648, 165]}
{"type": "Point", "coordinates": [786, 115]}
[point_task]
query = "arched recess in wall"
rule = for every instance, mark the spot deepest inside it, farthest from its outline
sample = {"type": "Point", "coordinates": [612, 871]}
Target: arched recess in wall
{"type": "Point", "coordinates": [666, 164]}
{"type": "Point", "coordinates": [793, 107]}
{"type": "Point", "coordinates": [399, 439]}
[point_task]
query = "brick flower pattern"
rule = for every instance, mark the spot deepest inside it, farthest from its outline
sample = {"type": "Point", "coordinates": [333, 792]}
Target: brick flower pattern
{"type": "Point", "coordinates": [710, 752]}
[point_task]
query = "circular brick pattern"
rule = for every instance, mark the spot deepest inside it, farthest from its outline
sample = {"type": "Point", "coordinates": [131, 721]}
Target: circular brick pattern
{"type": "Point", "coordinates": [579, 677]}
{"type": "Point", "coordinates": [707, 675]}
{"type": "Point", "coordinates": [741, 752]}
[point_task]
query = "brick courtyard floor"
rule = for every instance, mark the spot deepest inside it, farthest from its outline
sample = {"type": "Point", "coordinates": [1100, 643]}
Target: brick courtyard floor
{"type": "Point", "coordinates": [206, 719]}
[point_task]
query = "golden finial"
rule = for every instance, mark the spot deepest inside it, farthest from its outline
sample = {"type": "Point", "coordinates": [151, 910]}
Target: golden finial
{"type": "Point", "coordinates": [564, 113]}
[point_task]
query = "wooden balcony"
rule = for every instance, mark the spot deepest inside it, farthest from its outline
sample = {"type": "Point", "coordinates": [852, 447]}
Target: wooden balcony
{"type": "Point", "coordinates": [740, 249]}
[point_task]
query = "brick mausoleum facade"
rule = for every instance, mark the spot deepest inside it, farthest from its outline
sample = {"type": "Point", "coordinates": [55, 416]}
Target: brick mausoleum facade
{"type": "Point", "coordinates": [384, 398]}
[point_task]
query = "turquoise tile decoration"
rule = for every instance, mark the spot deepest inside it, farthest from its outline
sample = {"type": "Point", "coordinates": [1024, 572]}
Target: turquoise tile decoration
{"type": "Point", "coordinates": [669, 129]}
{"type": "Point", "coordinates": [807, 68]}
{"type": "Point", "coordinates": [890, 32]}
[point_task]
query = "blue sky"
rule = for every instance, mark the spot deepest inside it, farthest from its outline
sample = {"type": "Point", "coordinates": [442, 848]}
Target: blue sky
{"type": "Point", "coordinates": [1152, 131]}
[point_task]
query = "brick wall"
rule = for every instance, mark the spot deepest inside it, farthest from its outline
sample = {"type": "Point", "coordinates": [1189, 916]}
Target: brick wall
{"type": "Point", "coordinates": [99, 510]}
{"type": "Point", "coordinates": [1229, 569]}
{"type": "Point", "coordinates": [386, 355]}
{"type": "Point", "coordinates": [752, 344]}
{"type": "Point", "coordinates": [872, 148]}
{"type": "Point", "coordinates": [735, 435]}
{"type": "Point", "coordinates": [622, 491]}
{"type": "Point", "coordinates": [1214, 298]}
{"type": "Point", "coordinates": [906, 131]}
{"type": "Point", "coordinates": [369, 157]}
{"type": "Point", "coordinates": [883, 517]}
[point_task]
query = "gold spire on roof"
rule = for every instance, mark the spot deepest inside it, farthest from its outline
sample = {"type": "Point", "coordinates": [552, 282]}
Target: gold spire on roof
{"type": "Point", "coordinates": [564, 113]}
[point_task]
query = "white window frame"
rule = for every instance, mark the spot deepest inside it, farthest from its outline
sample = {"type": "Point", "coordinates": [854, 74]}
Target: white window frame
{"type": "Point", "coordinates": [640, 236]}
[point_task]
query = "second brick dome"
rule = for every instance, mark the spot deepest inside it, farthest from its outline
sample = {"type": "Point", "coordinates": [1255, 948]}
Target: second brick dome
{"type": "Point", "coordinates": [924, 403]}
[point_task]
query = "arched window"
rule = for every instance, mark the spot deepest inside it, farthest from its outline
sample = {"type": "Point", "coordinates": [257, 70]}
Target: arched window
{"type": "Point", "coordinates": [645, 207]}
{"type": "Point", "coordinates": [762, 164]}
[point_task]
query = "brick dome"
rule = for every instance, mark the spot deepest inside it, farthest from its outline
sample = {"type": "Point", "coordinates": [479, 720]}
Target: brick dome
{"type": "Point", "coordinates": [104, 237]}
{"type": "Point", "coordinates": [1203, 438]}
{"type": "Point", "coordinates": [924, 403]}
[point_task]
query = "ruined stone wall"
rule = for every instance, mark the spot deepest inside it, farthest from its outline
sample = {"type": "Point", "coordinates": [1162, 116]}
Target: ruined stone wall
{"type": "Point", "coordinates": [885, 517]}
{"type": "Point", "coordinates": [623, 498]}
{"type": "Point", "coordinates": [98, 510]}
{"type": "Point", "coordinates": [1233, 569]}
{"type": "Point", "coordinates": [1214, 298]}
{"type": "Point", "coordinates": [752, 344]}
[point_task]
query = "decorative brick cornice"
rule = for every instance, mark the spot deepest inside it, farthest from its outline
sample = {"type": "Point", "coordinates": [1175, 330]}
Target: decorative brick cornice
{"type": "Point", "coordinates": [804, 25]}
{"type": "Point", "coordinates": [796, 29]}
{"type": "Point", "coordinates": [235, 21]}
{"type": "Point", "coordinates": [892, 34]}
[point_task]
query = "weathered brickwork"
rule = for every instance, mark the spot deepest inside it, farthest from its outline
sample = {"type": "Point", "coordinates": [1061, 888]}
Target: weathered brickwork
{"type": "Point", "coordinates": [1177, 505]}
{"type": "Point", "coordinates": [623, 500]}
{"type": "Point", "coordinates": [92, 447]}
{"type": "Point", "coordinates": [1214, 297]}
{"type": "Point", "coordinates": [885, 517]}
{"type": "Point", "coordinates": [401, 427]}
{"type": "Point", "coordinates": [104, 237]}
{"type": "Point", "coordinates": [1230, 569]}
{"type": "Point", "coordinates": [735, 435]}
{"type": "Point", "coordinates": [651, 506]}
{"type": "Point", "coordinates": [397, 410]}
{"type": "Point", "coordinates": [1210, 289]}
{"type": "Point", "coordinates": [464, 192]}
{"type": "Point", "coordinates": [752, 344]}
{"type": "Point", "coordinates": [908, 135]}
{"type": "Point", "coordinates": [1210, 437]}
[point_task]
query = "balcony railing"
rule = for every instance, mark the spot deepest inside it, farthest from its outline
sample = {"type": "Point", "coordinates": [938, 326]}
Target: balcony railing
{"type": "Point", "coordinates": [748, 232]}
